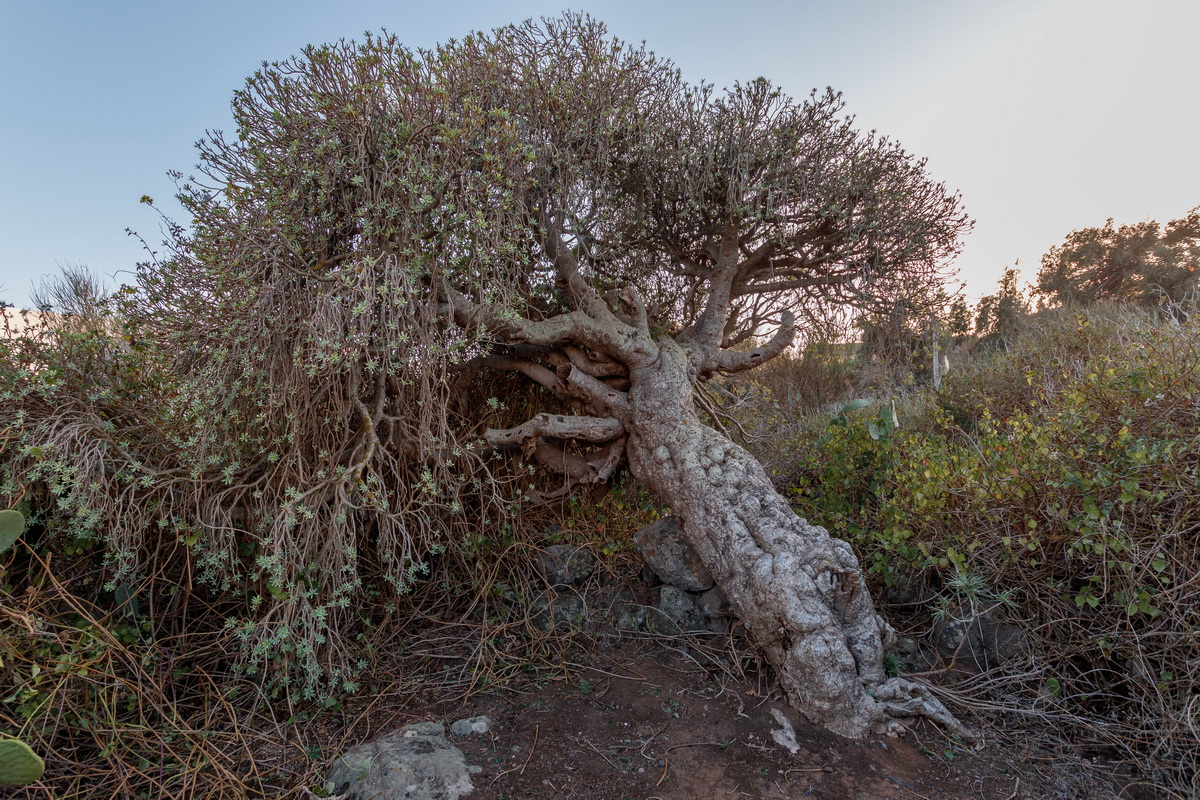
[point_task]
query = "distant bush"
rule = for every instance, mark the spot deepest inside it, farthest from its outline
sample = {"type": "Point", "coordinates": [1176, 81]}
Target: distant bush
{"type": "Point", "coordinates": [1061, 477]}
{"type": "Point", "coordinates": [817, 376]}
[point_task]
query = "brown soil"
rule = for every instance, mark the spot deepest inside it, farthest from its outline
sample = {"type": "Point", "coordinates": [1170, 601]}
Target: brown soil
{"type": "Point", "coordinates": [642, 718]}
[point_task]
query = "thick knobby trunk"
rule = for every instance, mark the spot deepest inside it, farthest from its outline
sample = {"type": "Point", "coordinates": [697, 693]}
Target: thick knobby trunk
{"type": "Point", "coordinates": [798, 591]}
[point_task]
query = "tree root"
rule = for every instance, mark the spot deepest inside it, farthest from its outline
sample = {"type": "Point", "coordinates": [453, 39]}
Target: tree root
{"type": "Point", "coordinates": [901, 701]}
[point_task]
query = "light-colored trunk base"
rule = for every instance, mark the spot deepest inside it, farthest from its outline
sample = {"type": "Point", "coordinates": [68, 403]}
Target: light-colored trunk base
{"type": "Point", "coordinates": [798, 591]}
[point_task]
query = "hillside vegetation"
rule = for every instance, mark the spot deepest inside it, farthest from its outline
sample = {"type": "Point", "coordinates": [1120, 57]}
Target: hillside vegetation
{"type": "Point", "coordinates": [1053, 484]}
{"type": "Point", "coordinates": [1049, 482]}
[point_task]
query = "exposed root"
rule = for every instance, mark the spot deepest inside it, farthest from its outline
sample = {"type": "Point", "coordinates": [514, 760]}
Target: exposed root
{"type": "Point", "coordinates": [900, 701]}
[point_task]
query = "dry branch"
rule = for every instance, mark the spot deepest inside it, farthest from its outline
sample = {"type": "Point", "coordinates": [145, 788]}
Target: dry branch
{"type": "Point", "coordinates": [589, 429]}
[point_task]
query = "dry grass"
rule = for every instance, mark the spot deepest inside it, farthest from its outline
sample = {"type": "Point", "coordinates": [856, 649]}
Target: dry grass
{"type": "Point", "coordinates": [123, 704]}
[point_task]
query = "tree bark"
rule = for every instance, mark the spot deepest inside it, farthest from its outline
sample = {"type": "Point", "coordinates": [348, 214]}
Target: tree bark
{"type": "Point", "coordinates": [799, 592]}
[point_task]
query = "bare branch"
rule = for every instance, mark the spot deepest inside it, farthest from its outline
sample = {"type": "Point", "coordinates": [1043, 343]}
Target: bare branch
{"type": "Point", "coordinates": [608, 335]}
{"type": "Point", "coordinates": [596, 467]}
{"type": "Point", "coordinates": [706, 330]}
{"type": "Point", "coordinates": [598, 366]}
{"type": "Point", "coordinates": [606, 460]}
{"type": "Point", "coordinates": [597, 396]}
{"type": "Point", "coordinates": [830, 281]}
{"type": "Point", "coordinates": [632, 298]}
{"type": "Point", "coordinates": [558, 426]}
{"type": "Point", "coordinates": [585, 298]}
{"type": "Point", "coordinates": [730, 361]}
{"type": "Point", "coordinates": [535, 372]}
{"type": "Point", "coordinates": [556, 458]}
{"type": "Point", "coordinates": [593, 468]}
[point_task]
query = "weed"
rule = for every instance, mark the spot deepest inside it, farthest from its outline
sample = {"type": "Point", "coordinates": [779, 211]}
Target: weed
{"type": "Point", "coordinates": [892, 665]}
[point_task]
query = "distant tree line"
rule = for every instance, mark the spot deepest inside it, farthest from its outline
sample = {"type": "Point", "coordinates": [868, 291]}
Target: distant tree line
{"type": "Point", "coordinates": [1145, 264]}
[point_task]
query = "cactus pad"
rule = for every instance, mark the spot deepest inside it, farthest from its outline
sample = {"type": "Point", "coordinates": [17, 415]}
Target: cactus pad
{"type": "Point", "coordinates": [18, 764]}
{"type": "Point", "coordinates": [12, 525]}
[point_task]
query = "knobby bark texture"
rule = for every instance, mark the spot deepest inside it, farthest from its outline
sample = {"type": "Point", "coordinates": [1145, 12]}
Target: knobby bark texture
{"type": "Point", "coordinates": [798, 591]}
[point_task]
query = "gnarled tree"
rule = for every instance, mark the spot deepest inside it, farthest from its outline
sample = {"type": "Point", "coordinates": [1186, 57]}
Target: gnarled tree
{"type": "Point", "coordinates": [547, 201]}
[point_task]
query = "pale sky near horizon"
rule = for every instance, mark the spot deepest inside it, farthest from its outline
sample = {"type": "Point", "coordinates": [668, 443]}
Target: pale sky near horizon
{"type": "Point", "coordinates": [1048, 116]}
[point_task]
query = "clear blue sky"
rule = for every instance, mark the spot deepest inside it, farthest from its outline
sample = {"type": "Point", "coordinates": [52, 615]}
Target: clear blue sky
{"type": "Point", "coordinates": [1047, 116]}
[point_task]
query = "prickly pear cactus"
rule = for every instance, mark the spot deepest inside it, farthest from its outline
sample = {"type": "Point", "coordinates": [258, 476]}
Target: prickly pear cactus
{"type": "Point", "coordinates": [18, 764]}
{"type": "Point", "coordinates": [12, 525]}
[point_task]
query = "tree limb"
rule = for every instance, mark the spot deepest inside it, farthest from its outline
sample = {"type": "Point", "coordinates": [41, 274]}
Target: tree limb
{"type": "Point", "coordinates": [608, 335]}
{"type": "Point", "coordinates": [608, 458]}
{"type": "Point", "coordinates": [595, 394]}
{"type": "Point", "coordinates": [597, 366]}
{"type": "Point", "coordinates": [706, 330]}
{"type": "Point", "coordinates": [558, 426]}
{"type": "Point", "coordinates": [595, 468]}
{"type": "Point", "coordinates": [730, 361]}
{"type": "Point", "coordinates": [635, 337]}
{"type": "Point", "coordinates": [535, 372]}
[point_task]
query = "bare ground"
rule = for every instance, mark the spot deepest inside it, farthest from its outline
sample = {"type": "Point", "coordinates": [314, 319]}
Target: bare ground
{"type": "Point", "coordinates": [636, 717]}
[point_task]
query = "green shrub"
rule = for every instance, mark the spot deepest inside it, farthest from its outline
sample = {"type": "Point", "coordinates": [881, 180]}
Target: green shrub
{"type": "Point", "coordinates": [1067, 481]}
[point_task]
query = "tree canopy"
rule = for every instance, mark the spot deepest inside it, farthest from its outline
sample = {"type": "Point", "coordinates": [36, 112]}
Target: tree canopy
{"type": "Point", "coordinates": [1144, 263]}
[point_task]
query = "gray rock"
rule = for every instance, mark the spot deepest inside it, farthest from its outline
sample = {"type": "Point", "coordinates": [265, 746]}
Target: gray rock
{"type": "Point", "coordinates": [979, 639]}
{"type": "Point", "coordinates": [626, 613]}
{"type": "Point", "coordinates": [715, 607]}
{"type": "Point", "coordinates": [564, 564]}
{"type": "Point", "coordinates": [912, 656]}
{"type": "Point", "coordinates": [465, 727]}
{"type": "Point", "coordinates": [551, 610]}
{"type": "Point", "coordinates": [714, 604]}
{"type": "Point", "coordinates": [670, 556]}
{"type": "Point", "coordinates": [677, 612]}
{"type": "Point", "coordinates": [416, 762]}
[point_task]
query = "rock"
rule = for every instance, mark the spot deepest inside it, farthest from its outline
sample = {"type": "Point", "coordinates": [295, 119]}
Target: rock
{"type": "Point", "coordinates": [714, 604]}
{"type": "Point", "coordinates": [465, 727]}
{"type": "Point", "coordinates": [912, 656]}
{"type": "Point", "coordinates": [649, 578]}
{"type": "Point", "coordinates": [564, 564]}
{"type": "Point", "coordinates": [416, 762]}
{"type": "Point", "coordinates": [551, 610]}
{"type": "Point", "coordinates": [677, 612]}
{"type": "Point", "coordinates": [626, 613]}
{"type": "Point", "coordinates": [670, 556]}
{"type": "Point", "coordinates": [785, 734]}
{"type": "Point", "coordinates": [979, 639]}
{"type": "Point", "coordinates": [715, 607]}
